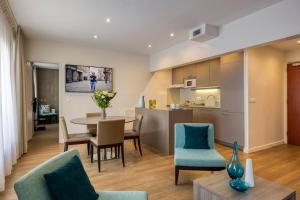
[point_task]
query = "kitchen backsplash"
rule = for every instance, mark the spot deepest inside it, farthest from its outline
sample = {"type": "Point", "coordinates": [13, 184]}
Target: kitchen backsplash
{"type": "Point", "coordinates": [208, 97]}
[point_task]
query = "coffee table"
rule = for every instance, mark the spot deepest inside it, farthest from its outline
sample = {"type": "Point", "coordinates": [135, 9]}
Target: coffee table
{"type": "Point", "coordinates": [215, 187]}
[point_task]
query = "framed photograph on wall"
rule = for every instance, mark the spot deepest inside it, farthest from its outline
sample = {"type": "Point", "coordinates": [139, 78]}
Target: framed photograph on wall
{"type": "Point", "coordinates": [86, 79]}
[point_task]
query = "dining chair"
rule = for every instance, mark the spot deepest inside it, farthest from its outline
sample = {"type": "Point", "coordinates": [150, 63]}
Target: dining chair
{"type": "Point", "coordinates": [135, 132]}
{"type": "Point", "coordinates": [72, 139]}
{"type": "Point", "coordinates": [109, 134]}
{"type": "Point", "coordinates": [92, 129]}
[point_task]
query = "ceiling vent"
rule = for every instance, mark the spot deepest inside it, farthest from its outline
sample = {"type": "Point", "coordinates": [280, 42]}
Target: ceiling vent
{"type": "Point", "coordinates": [204, 32]}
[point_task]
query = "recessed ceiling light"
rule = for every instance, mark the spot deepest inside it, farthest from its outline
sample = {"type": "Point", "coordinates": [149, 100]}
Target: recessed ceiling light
{"type": "Point", "coordinates": [95, 36]}
{"type": "Point", "coordinates": [108, 20]}
{"type": "Point", "coordinates": [172, 34]}
{"type": "Point", "coordinates": [298, 41]}
{"type": "Point", "coordinates": [149, 45]}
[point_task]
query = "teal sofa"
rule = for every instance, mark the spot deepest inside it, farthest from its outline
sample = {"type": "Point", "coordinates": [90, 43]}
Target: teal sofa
{"type": "Point", "coordinates": [196, 159]}
{"type": "Point", "coordinates": [32, 186]}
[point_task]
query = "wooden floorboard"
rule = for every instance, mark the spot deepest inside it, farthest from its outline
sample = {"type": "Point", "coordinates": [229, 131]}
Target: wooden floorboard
{"type": "Point", "coordinates": [153, 173]}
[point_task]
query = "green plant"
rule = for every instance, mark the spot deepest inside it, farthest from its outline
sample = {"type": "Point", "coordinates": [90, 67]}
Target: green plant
{"type": "Point", "coordinates": [102, 97]}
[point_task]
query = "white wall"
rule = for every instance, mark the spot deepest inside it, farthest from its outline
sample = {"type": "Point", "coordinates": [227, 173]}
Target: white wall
{"type": "Point", "coordinates": [265, 90]}
{"type": "Point", "coordinates": [278, 21]}
{"type": "Point", "coordinates": [157, 88]}
{"type": "Point", "coordinates": [293, 55]}
{"type": "Point", "coordinates": [131, 76]}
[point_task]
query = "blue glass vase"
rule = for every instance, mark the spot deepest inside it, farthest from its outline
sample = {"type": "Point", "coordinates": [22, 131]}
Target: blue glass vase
{"type": "Point", "coordinates": [238, 185]}
{"type": "Point", "coordinates": [142, 102]}
{"type": "Point", "coordinates": [235, 168]}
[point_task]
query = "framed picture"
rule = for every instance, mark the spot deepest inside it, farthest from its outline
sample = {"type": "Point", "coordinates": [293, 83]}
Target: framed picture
{"type": "Point", "coordinates": [80, 78]}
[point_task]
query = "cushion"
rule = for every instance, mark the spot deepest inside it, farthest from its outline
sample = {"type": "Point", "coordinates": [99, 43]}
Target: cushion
{"type": "Point", "coordinates": [198, 158]}
{"type": "Point", "coordinates": [196, 137]}
{"type": "Point", "coordinates": [70, 182]}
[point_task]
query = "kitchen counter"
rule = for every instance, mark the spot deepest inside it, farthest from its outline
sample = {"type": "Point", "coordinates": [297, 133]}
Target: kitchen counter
{"type": "Point", "coordinates": [208, 107]}
{"type": "Point", "coordinates": [158, 127]}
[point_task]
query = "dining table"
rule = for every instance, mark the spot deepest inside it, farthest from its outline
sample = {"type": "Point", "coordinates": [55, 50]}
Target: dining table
{"type": "Point", "coordinates": [94, 121]}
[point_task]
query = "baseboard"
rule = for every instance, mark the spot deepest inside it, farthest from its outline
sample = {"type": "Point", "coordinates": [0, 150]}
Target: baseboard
{"type": "Point", "coordinates": [227, 144]}
{"type": "Point", "coordinates": [265, 146]}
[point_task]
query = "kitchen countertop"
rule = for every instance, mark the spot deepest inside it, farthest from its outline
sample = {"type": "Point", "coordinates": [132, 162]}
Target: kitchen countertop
{"type": "Point", "coordinates": [208, 107]}
{"type": "Point", "coordinates": [168, 109]}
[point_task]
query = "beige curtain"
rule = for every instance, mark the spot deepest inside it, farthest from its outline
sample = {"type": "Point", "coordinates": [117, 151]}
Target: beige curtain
{"type": "Point", "coordinates": [21, 90]}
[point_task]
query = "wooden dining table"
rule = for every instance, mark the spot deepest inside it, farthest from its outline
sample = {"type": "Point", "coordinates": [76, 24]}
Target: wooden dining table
{"type": "Point", "coordinates": [95, 120]}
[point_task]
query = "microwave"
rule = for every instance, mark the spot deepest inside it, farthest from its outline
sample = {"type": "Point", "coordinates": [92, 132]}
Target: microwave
{"type": "Point", "coordinates": [190, 83]}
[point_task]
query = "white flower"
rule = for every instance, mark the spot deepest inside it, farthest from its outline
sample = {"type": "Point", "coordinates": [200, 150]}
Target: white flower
{"type": "Point", "coordinates": [110, 94]}
{"type": "Point", "coordinates": [105, 92]}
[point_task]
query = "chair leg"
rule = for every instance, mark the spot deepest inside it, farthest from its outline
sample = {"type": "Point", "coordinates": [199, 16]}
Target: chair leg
{"type": "Point", "coordinates": [134, 142]}
{"type": "Point", "coordinates": [105, 158]}
{"type": "Point", "coordinates": [139, 143]}
{"type": "Point", "coordinates": [122, 151]}
{"type": "Point", "coordinates": [176, 175]}
{"type": "Point", "coordinates": [99, 160]}
{"type": "Point", "coordinates": [116, 154]}
{"type": "Point", "coordinates": [66, 147]}
{"type": "Point", "coordinates": [92, 152]}
{"type": "Point", "coordinates": [88, 148]}
{"type": "Point", "coordinates": [118, 151]}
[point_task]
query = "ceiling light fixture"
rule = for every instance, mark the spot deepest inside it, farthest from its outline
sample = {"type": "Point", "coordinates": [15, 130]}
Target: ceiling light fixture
{"type": "Point", "coordinates": [108, 20]}
{"type": "Point", "coordinates": [172, 34]}
{"type": "Point", "coordinates": [95, 36]}
{"type": "Point", "coordinates": [149, 45]}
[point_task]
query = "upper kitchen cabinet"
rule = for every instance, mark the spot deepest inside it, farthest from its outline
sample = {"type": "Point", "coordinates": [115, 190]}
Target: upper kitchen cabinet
{"type": "Point", "coordinates": [178, 75]}
{"type": "Point", "coordinates": [207, 73]}
{"type": "Point", "coordinates": [232, 82]}
{"type": "Point", "coordinates": [202, 74]}
{"type": "Point", "coordinates": [214, 72]}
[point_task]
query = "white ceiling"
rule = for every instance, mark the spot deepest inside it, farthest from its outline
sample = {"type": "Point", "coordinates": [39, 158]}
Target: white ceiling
{"type": "Point", "coordinates": [134, 25]}
{"type": "Point", "coordinates": [287, 44]}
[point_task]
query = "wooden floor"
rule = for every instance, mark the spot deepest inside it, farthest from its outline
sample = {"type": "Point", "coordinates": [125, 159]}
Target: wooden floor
{"type": "Point", "coordinates": [153, 173]}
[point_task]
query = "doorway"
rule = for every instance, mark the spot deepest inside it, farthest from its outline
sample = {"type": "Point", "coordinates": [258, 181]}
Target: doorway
{"type": "Point", "coordinates": [293, 103]}
{"type": "Point", "coordinates": [45, 100]}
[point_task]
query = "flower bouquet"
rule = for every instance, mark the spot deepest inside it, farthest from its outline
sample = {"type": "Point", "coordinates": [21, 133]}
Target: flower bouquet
{"type": "Point", "coordinates": [102, 98]}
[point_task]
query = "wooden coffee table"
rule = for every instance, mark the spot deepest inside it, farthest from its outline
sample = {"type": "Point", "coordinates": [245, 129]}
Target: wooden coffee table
{"type": "Point", "coordinates": [216, 187]}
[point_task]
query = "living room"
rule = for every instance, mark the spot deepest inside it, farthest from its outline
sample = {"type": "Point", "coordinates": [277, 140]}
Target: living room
{"type": "Point", "coordinates": [242, 71]}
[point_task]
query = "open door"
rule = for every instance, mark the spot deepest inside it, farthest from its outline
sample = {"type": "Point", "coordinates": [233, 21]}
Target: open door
{"type": "Point", "coordinates": [293, 107]}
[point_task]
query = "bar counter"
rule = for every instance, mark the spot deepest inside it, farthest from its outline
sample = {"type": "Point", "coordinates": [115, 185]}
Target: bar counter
{"type": "Point", "coordinates": [158, 127]}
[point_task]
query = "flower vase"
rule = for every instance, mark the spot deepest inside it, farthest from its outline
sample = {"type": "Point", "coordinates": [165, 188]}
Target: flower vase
{"type": "Point", "coordinates": [235, 168]}
{"type": "Point", "coordinates": [142, 102]}
{"type": "Point", "coordinates": [104, 113]}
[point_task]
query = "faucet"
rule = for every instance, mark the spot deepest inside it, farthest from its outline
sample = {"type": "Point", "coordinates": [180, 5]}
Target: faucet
{"type": "Point", "coordinates": [214, 97]}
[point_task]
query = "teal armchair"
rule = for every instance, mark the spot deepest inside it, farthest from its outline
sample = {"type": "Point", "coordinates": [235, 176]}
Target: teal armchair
{"type": "Point", "coordinates": [32, 186]}
{"type": "Point", "coordinates": [196, 159]}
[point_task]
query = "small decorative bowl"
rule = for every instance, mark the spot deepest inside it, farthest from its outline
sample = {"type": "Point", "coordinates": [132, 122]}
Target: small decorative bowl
{"type": "Point", "coordinates": [238, 185]}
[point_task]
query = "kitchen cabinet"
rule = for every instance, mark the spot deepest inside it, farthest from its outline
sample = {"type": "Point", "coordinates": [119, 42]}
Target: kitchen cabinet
{"type": "Point", "coordinates": [202, 74]}
{"type": "Point", "coordinates": [230, 128]}
{"type": "Point", "coordinates": [214, 72]}
{"type": "Point", "coordinates": [178, 75]}
{"type": "Point", "coordinates": [207, 73]}
{"type": "Point", "coordinates": [232, 82]}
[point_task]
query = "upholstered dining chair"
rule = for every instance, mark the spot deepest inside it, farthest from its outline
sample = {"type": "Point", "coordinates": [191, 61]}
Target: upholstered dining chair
{"type": "Point", "coordinates": [135, 132]}
{"type": "Point", "coordinates": [109, 134]}
{"type": "Point", "coordinates": [92, 129]}
{"type": "Point", "coordinates": [196, 159]}
{"type": "Point", "coordinates": [72, 139]}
